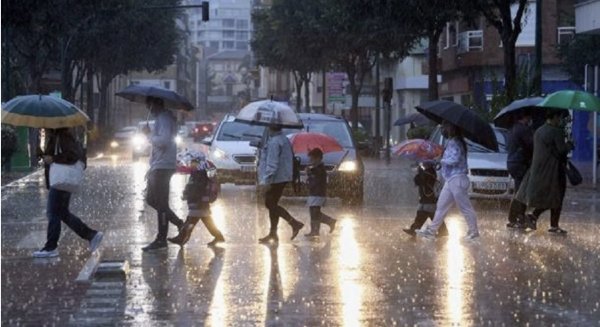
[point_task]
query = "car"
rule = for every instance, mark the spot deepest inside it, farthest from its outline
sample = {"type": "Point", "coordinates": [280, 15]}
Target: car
{"type": "Point", "coordinates": [140, 146]}
{"type": "Point", "coordinates": [121, 139]}
{"type": "Point", "coordinates": [201, 130]}
{"type": "Point", "coordinates": [230, 151]}
{"type": "Point", "coordinates": [488, 172]}
{"type": "Point", "coordinates": [345, 169]}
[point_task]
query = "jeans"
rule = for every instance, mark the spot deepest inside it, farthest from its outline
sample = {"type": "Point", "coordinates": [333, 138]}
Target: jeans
{"type": "Point", "coordinates": [272, 196]}
{"type": "Point", "coordinates": [157, 197]}
{"type": "Point", "coordinates": [455, 190]}
{"type": "Point", "coordinates": [57, 211]}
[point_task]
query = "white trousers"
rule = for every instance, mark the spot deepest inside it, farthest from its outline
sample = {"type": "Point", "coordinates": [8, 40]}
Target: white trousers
{"type": "Point", "coordinates": [455, 190]}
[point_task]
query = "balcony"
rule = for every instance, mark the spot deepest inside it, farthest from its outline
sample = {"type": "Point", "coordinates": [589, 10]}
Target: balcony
{"type": "Point", "coordinates": [470, 41]}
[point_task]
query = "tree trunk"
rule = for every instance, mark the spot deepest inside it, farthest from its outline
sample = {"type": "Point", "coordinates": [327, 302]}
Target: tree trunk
{"type": "Point", "coordinates": [90, 95]}
{"type": "Point", "coordinates": [307, 92]}
{"type": "Point", "coordinates": [510, 69]}
{"type": "Point", "coordinates": [299, 83]}
{"type": "Point", "coordinates": [432, 52]}
{"type": "Point", "coordinates": [355, 93]}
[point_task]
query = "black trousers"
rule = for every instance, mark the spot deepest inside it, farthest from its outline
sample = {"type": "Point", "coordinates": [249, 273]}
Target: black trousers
{"type": "Point", "coordinates": [272, 196]}
{"type": "Point", "coordinates": [554, 215]}
{"type": "Point", "coordinates": [317, 218]}
{"type": "Point", "coordinates": [157, 197]}
{"type": "Point", "coordinates": [58, 210]}
{"type": "Point", "coordinates": [516, 211]}
{"type": "Point", "coordinates": [422, 217]}
{"type": "Point", "coordinates": [517, 171]}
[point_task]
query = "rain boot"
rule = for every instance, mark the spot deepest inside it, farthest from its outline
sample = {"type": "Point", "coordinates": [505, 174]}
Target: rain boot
{"type": "Point", "coordinates": [314, 228]}
{"type": "Point", "coordinates": [185, 232]}
{"type": "Point", "coordinates": [213, 230]}
{"type": "Point", "coordinates": [161, 238]}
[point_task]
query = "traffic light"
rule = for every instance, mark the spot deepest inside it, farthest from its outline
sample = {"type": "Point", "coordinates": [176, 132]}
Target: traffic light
{"type": "Point", "coordinates": [205, 9]}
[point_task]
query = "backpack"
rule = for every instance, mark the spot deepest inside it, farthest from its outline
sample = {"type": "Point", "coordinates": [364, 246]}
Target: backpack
{"type": "Point", "coordinates": [213, 188]}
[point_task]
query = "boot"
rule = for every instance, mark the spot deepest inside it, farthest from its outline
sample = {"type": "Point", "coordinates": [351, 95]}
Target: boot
{"type": "Point", "coordinates": [314, 228]}
{"type": "Point", "coordinates": [185, 232]}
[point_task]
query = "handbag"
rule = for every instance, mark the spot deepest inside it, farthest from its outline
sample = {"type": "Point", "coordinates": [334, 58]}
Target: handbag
{"type": "Point", "coordinates": [65, 177]}
{"type": "Point", "coordinates": [573, 174]}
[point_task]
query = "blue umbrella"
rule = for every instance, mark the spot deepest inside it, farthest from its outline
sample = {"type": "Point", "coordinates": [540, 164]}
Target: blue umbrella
{"type": "Point", "coordinates": [415, 118]}
{"type": "Point", "coordinates": [42, 111]}
{"type": "Point", "coordinates": [140, 93]}
{"type": "Point", "coordinates": [505, 118]}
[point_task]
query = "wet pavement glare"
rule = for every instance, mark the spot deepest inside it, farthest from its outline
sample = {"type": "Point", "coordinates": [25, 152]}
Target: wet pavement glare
{"type": "Point", "coordinates": [367, 273]}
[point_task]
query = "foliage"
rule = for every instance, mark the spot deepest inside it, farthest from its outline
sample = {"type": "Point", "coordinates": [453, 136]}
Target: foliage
{"type": "Point", "coordinates": [419, 132]}
{"type": "Point", "coordinates": [581, 51]}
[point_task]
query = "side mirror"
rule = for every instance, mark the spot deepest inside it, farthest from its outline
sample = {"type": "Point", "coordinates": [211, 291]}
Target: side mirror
{"type": "Point", "coordinates": [255, 143]}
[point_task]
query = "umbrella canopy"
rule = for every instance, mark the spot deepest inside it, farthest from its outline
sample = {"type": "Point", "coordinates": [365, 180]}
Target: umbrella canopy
{"type": "Point", "coordinates": [268, 112]}
{"type": "Point", "coordinates": [506, 117]}
{"type": "Point", "coordinates": [474, 127]}
{"type": "Point", "coordinates": [575, 100]}
{"type": "Point", "coordinates": [303, 142]}
{"type": "Point", "coordinates": [418, 149]}
{"type": "Point", "coordinates": [42, 111]}
{"type": "Point", "coordinates": [416, 118]}
{"type": "Point", "coordinates": [140, 93]}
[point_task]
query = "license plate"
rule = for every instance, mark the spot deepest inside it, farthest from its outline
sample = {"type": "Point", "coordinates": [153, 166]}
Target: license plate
{"type": "Point", "coordinates": [249, 169]}
{"type": "Point", "coordinates": [494, 186]}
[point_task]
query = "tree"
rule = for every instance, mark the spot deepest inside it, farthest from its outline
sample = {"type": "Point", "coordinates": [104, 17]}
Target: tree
{"type": "Point", "coordinates": [583, 50]}
{"type": "Point", "coordinates": [498, 14]}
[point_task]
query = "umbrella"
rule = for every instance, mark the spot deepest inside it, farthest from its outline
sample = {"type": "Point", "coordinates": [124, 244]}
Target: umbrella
{"type": "Point", "coordinates": [42, 111]}
{"type": "Point", "coordinates": [415, 118]}
{"type": "Point", "coordinates": [268, 112]}
{"type": "Point", "coordinates": [140, 93]}
{"type": "Point", "coordinates": [575, 100]}
{"type": "Point", "coordinates": [418, 149]}
{"type": "Point", "coordinates": [473, 127]}
{"type": "Point", "coordinates": [506, 117]}
{"type": "Point", "coordinates": [303, 142]}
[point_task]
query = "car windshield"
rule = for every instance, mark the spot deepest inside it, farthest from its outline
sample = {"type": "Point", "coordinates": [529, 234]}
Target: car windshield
{"type": "Point", "coordinates": [336, 129]}
{"type": "Point", "coordinates": [236, 131]}
{"type": "Point", "coordinates": [500, 137]}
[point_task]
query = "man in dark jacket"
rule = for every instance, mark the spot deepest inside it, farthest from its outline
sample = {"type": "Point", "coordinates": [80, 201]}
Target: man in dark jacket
{"type": "Point", "coordinates": [520, 151]}
{"type": "Point", "coordinates": [62, 148]}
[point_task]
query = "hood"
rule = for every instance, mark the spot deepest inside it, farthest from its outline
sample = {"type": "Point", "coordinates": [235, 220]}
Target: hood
{"type": "Point", "coordinates": [487, 160]}
{"type": "Point", "coordinates": [234, 147]}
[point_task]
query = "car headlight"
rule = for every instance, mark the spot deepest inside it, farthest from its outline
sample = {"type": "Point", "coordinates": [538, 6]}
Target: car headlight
{"type": "Point", "coordinates": [219, 154]}
{"type": "Point", "coordinates": [348, 166]}
{"type": "Point", "coordinates": [114, 144]}
{"type": "Point", "coordinates": [178, 139]}
{"type": "Point", "coordinates": [138, 140]}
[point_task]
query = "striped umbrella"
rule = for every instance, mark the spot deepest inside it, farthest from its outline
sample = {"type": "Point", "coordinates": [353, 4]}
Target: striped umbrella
{"type": "Point", "coordinates": [42, 111]}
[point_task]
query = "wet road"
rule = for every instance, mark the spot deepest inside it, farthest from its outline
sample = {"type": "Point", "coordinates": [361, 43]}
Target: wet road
{"type": "Point", "coordinates": [367, 273]}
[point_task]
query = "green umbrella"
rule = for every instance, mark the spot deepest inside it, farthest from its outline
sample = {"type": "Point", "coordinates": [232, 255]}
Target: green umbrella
{"type": "Point", "coordinates": [575, 100]}
{"type": "Point", "coordinates": [42, 111]}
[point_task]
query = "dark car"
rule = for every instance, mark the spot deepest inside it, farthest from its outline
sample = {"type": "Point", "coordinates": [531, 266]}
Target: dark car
{"type": "Point", "coordinates": [202, 130]}
{"type": "Point", "coordinates": [345, 169]}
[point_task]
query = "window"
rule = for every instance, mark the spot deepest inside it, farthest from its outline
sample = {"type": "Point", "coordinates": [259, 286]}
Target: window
{"type": "Point", "coordinates": [167, 85]}
{"type": "Point", "coordinates": [227, 44]}
{"type": "Point", "coordinates": [565, 35]}
{"type": "Point", "coordinates": [241, 45]}
{"type": "Point", "coordinates": [242, 24]}
{"type": "Point", "coordinates": [228, 34]}
{"type": "Point", "coordinates": [200, 34]}
{"type": "Point", "coordinates": [453, 29]}
{"type": "Point", "coordinates": [214, 44]}
{"type": "Point", "coordinates": [228, 22]}
{"type": "Point", "coordinates": [242, 35]}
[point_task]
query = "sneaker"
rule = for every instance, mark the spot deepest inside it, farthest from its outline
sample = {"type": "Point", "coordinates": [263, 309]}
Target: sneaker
{"type": "Point", "coordinates": [269, 239]}
{"type": "Point", "coordinates": [155, 245]}
{"type": "Point", "coordinates": [472, 236]}
{"type": "Point", "coordinates": [215, 241]}
{"type": "Point", "coordinates": [409, 231]}
{"type": "Point", "coordinates": [557, 230]}
{"type": "Point", "coordinates": [425, 233]}
{"type": "Point", "coordinates": [95, 241]}
{"type": "Point", "coordinates": [296, 227]}
{"type": "Point", "coordinates": [45, 253]}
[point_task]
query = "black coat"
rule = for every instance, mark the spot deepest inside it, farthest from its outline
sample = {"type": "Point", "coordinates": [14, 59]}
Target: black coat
{"type": "Point", "coordinates": [425, 180]}
{"type": "Point", "coordinates": [520, 145]}
{"type": "Point", "coordinates": [317, 180]}
{"type": "Point", "coordinates": [196, 188]}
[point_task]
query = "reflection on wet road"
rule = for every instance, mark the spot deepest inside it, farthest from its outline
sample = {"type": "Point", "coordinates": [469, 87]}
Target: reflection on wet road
{"type": "Point", "coordinates": [367, 273]}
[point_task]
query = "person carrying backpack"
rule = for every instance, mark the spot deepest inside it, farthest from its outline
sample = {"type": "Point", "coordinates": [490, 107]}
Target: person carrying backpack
{"type": "Point", "coordinates": [199, 192]}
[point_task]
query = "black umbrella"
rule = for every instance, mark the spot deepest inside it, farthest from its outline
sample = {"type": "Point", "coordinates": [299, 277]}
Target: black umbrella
{"type": "Point", "coordinates": [506, 117]}
{"type": "Point", "coordinates": [140, 93]}
{"type": "Point", "coordinates": [474, 128]}
{"type": "Point", "coordinates": [416, 118]}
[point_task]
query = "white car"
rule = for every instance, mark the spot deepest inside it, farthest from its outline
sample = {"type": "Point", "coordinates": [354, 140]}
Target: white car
{"type": "Point", "coordinates": [230, 151]}
{"type": "Point", "coordinates": [487, 169]}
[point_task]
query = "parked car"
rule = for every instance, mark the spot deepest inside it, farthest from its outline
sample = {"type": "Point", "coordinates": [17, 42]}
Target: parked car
{"type": "Point", "coordinates": [487, 169]}
{"type": "Point", "coordinates": [229, 149]}
{"type": "Point", "coordinates": [345, 169]}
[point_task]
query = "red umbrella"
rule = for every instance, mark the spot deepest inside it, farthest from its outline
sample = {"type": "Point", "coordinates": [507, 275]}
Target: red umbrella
{"type": "Point", "coordinates": [305, 141]}
{"type": "Point", "coordinates": [418, 149]}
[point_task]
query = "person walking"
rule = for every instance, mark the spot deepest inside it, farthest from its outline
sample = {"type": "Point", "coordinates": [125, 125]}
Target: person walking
{"type": "Point", "coordinates": [62, 148]}
{"type": "Point", "coordinates": [317, 192]}
{"type": "Point", "coordinates": [544, 186]}
{"type": "Point", "coordinates": [520, 152]}
{"type": "Point", "coordinates": [162, 167]}
{"type": "Point", "coordinates": [456, 185]}
{"type": "Point", "coordinates": [197, 193]}
{"type": "Point", "coordinates": [425, 180]}
{"type": "Point", "coordinates": [275, 171]}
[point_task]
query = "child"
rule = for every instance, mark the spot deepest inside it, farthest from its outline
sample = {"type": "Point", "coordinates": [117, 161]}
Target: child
{"type": "Point", "coordinates": [317, 191]}
{"type": "Point", "coordinates": [425, 180]}
{"type": "Point", "coordinates": [196, 193]}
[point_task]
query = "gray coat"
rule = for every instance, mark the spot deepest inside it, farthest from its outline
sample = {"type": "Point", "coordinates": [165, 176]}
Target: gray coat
{"type": "Point", "coordinates": [276, 160]}
{"type": "Point", "coordinates": [164, 149]}
{"type": "Point", "coordinates": [544, 184]}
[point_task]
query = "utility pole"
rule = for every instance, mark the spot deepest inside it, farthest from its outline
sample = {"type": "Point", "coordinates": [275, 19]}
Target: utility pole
{"type": "Point", "coordinates": [324, 84]}
{"type": "Point", "coordinates": [377, 109]}
{"type": "Point", "coordinates": [537, 76]}
{"type": "Point", "coordinates": [387, 102]}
